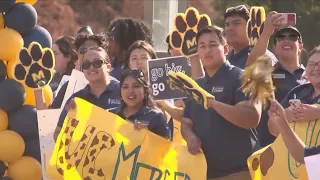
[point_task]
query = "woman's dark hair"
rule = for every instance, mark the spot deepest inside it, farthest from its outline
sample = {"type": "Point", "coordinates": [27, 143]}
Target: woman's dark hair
{"type": "Point", "coordinates": [65, 45]}
{"type": "Point", "coordinates": [139, 45]}
{"type": "Point", "coordinates": [126, 31]}
{"type": "Point", "coordinates": [140, 77]}
{"type": "Point", "coordinates": [101, 40]}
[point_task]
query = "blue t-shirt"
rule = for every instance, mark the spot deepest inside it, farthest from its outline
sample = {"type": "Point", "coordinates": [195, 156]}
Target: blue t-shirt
{"type": "Point", "coordinates": [110, 98]}
{"type": "Point", "coordinates": [153, 118]}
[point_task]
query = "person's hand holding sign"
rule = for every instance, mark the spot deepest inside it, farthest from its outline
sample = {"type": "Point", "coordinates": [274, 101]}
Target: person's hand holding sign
{"type": "Point", "coordinates": [71, 105]}
{"type": "Point", "coordinates": [139, 125]}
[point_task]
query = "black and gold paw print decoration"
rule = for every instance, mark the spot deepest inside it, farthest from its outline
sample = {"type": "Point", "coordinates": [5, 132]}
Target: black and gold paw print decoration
{"type": "Point", "coordinates": [190, 87]}
{"type": "Point", "coordinates": [255, 23]}
{"type": "Point", "coordinates": [34, 68]}
{"type": "Point", "coordinates": [186, 27]}
{"type": "Point", "coordinates": [257, 81]}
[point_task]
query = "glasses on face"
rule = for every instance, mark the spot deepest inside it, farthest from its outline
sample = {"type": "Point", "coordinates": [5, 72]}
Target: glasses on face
{"type": "Point", "coordinates": [136, 73]}
{"type": "Point", "coordinates": [291, 37]}
{"type": "Point", "coordinates": [96, 64]}
{"type": "Point", "coordinates": [312, 65]}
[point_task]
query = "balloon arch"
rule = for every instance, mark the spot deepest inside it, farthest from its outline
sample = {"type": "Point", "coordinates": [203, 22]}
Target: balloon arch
{"type": "Point", "coordinates": [25, 60]}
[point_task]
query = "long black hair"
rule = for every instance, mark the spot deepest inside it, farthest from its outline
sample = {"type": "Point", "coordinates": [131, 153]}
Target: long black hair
{"type": "Point", "coordinates": [140, 77]}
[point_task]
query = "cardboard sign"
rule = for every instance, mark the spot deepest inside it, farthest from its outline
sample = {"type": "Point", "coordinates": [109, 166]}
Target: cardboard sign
{"type": "Point", "coordinates": [186, 27]}
{"type": "Point", "coordinates": [158, 76]}
{"type": "Point", "coordinates": [97, 144]}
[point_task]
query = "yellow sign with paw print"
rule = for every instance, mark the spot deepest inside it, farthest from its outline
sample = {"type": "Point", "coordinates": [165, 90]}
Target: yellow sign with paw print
{"type": "Point", "coordinates": [186, 27]}
{"type": "Point", "coordinates": [255, 23]}
{"type": "Point", "coordinates": [275, 162]}
{"type": "Point", "coordinates": [190, 87]}
{"type": "Point", "coordinates": [97, 144]}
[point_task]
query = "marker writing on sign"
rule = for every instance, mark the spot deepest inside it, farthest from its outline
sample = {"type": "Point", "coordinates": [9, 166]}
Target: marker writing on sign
{"type": "Point", "coordinates": [157, 73]}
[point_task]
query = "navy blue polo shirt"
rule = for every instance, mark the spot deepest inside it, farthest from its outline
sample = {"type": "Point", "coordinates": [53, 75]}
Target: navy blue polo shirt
{"type": "Point", "coordinates": [303, 93]}
{"type": "Point", "coordinates": [284, 82]}
{"type": "Point", "coordinates": [240, 59]}
{"type": "Point", "coordinates": [154, 119]}
{"type": "Point", "coordinates": [311, 151]}
{"type": "Point", "coordinates": [225, 146]}
{"type": "Point", "coordinates": [110, 98]}
{"type": "Point", "coordinates": [116, 69]}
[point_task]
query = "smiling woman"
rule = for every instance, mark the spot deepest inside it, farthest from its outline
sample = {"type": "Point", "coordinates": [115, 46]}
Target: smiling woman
{"type": "Point", "coordinates": [138, 106]}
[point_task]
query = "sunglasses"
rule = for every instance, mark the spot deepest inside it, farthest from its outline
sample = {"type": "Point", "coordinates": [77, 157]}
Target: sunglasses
{"type": "Point", "coordinates": [291, 37]}
{"type": "Point", "coordinates": [96, 64]}
{"type": "Point", "coordinates": [136, 73]}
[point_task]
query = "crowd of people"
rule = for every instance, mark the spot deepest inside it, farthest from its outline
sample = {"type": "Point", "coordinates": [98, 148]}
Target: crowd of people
{"type": "Point", "coordinates": [115, 65]}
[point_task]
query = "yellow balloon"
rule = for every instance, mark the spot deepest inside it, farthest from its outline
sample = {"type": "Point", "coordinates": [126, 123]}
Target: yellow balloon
{"type": "Point", "coordinates": [46, 95]}
{"type": "Point", "coordinates": [12, 146]}
{"type": "Point", "coordinates": [3, 120]}
{"type": "Point", "coordinates": [11, 43]}
{"type": "Point", "coordinates": [32, 2]}
{"type": "Point", "coordinates": [1, 21]}
{"type": "Point", "coordinates": [25, 168]}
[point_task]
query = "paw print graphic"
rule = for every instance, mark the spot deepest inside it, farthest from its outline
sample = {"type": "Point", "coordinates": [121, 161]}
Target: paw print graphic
{"type": "Point", "coordinates": [255, 23]}
{"type": "Point", "coordinates": [34, 68]}
{"type": "Point", "coordinates": [187, 25]}
{"type": "Point", "coordinates": [190, 87]}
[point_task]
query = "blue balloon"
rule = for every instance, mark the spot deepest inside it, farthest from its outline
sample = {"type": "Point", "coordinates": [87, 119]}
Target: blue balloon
{"type": "Point", "coordinates": [3, 71]}
{"type": "Point", "coordinates": [22, 17]}
{"type": "Point", "coordinates": [37, 34]}
{"type": "Point", "coordinates": [5, 5]}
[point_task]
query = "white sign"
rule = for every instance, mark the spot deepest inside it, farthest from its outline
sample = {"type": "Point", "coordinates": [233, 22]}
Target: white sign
{"type": "Point", "coordinates": [48, 119]}
{"type": "Point", "coordinates": [313, 166]}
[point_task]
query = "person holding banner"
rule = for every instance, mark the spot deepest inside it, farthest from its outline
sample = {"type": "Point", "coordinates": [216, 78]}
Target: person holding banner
{"type": "Point", "coordinates": [298, 102]}
{"type": "Point", "coordinates": [223, 131]}
{"type": "Point", "coordinates": [294, 144]}
{"type": "Point", "coordinates": [137, 104]}
{"type": "Point", "coordinates": [102, 90]}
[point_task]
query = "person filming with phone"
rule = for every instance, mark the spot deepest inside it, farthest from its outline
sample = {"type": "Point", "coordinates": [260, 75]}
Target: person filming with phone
{"type": "Point", "coordinates": [288, 72]}
{"type": "Point", "coordinates": [299, 102]}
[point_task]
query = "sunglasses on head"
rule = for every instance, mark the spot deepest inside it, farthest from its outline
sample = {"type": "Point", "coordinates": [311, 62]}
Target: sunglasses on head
{"type": "Point", "coordinates": [238, 8]}
{"type": "Point", "coordinates": [96, 64]}
{"type": "Point", "coordinates": [291, 37]}
{"type": "Point", "coordinates": [135, 72]}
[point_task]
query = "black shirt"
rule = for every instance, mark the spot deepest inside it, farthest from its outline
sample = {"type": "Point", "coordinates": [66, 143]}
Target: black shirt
{"type": "Point", "coordinates": [225, 145]}
{"type": "Point", "coordinates": [284, 81]}
{"type": "Point", "coordinates": [116, 69]}
{"type": "Point", "coordinates": [240, 59]}
{"type": "Point", "coordinates": [154, 119]}
{"type": "Point", "coordinates": [110, 98]}
{"type": "Point", "coordinates": [311, 151]}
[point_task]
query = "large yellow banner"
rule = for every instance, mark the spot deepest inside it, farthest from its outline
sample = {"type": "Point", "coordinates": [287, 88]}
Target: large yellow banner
{"type": "Point", "coordinates": [97, 145]}
{"type": "Point", "coordinates": [275, 162]}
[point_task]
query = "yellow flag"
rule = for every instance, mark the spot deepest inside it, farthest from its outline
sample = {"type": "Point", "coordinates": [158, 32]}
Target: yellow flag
{"type": "Point", "coordinates": [96, 144]}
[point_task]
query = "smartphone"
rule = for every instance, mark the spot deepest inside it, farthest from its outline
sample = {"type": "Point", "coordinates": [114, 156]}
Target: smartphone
{"type": "Point", "coordinates": [289, 19]}
{"type": "Point", "coordinates": [294, 102]}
